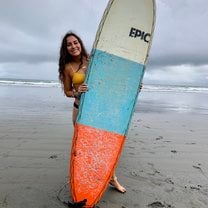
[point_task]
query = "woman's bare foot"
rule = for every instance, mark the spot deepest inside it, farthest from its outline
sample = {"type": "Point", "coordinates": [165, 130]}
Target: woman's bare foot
{"type": "Point", "coordinates": [114, 182]}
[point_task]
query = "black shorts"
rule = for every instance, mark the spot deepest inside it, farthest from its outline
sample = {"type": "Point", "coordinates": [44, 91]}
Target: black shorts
{"type": "Point", "coordinates": [76, 106]}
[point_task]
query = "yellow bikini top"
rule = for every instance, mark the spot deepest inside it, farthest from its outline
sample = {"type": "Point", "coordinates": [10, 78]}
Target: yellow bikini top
{"type": "Point", "coordinates": [78, 78]}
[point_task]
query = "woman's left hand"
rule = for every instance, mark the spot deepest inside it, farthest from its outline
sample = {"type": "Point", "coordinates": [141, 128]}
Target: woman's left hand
{"type": "Point", "coordinates": [82, 88]}
{"type": "Point", "coordinates": [140, 86]}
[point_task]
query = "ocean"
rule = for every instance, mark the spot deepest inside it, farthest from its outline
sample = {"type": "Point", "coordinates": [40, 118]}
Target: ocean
{"type": "Point", "coordinates": [149, 88]}
{"type": "Point", "coordinates": [153, 98]}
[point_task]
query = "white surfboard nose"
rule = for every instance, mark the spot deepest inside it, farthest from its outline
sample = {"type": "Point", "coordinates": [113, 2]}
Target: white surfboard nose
{"type": "Point", "coordinates": [127, 31]}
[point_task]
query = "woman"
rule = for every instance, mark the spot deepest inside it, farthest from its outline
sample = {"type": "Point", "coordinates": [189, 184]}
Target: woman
{"type": "Point", "coordinates": [73, 64]}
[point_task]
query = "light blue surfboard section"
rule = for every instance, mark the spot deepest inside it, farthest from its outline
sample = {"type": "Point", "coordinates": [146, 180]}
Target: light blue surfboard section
{"type": "Point", "coordinates": [113, 84]}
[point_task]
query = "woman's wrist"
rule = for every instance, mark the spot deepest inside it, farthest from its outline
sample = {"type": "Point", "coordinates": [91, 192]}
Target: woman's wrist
{"type": "Point", "coordinates": [76, 94]}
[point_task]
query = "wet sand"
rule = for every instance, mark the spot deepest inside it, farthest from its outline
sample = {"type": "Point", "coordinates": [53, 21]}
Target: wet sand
{"type": "Point", "coordinates": [163, 164]}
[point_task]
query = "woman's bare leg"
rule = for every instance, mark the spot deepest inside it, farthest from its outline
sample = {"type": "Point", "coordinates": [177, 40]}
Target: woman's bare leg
{"type": "Point", "coordinates": [74, 115]}
{"type": "Point", "coordinates": [114, 182]}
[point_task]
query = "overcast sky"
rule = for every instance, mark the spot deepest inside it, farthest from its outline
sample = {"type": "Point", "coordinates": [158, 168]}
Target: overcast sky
{"type": "Point", "coordinates": [31, 32]}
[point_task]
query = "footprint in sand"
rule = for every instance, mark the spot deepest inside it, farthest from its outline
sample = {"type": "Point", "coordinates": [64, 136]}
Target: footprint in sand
{"type": "Point", "coordinates": [130, 147]}
{"type": "Point", "coordinates": [135, 191]}
{"type": "Point", "coordinates": [159, 138]}
{"type": "Point", "coordinates": [158, 204]}
{"type": "Point", "coordinates": [191, 143]}
{"type": "Point", "coordinates": [200, 169]}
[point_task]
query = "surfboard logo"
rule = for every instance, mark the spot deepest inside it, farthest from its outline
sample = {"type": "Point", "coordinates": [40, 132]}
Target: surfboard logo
{"type": "Point", "coordinates": [137, 33]}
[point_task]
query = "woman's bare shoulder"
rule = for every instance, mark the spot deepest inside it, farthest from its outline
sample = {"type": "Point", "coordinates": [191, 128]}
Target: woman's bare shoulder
{"type": "Point", "coordinates": [68, 69]}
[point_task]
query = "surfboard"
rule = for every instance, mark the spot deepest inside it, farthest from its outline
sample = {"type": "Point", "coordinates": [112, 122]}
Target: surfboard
{"type": "Point", "coordinates": [115, 72]}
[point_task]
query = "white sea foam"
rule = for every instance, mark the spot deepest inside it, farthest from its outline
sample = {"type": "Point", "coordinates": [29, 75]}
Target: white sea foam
{"type": "Point", "coordinates": [29, 83]}
{"type": "Point", "coordinates": [171, 88]}
{"type": "Point", "coordinates": [148, 88]}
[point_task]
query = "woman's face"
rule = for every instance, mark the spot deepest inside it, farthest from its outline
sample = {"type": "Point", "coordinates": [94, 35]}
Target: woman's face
{"type": "Point", "coordinates": [73, 46]}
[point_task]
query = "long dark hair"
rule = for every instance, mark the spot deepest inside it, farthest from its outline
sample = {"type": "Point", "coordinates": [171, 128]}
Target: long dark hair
{"type": "Point", "coordinates": [65, 57]}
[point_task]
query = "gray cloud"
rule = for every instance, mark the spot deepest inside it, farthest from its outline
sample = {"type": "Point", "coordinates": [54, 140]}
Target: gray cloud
{"type": "Point", "coordinates": [180, 33]}
{"type": "Point", "coordinates": [27, 58]}
{"type": "Point", "coordinates": [31, 33]}
{"type": "Point", "coordinates": [178, 59]}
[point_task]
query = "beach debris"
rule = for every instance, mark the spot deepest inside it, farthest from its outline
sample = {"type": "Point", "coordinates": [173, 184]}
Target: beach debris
{"type": "Point", "coordinates": [159, 138]}
{"type": "Point", "coordinates": [198, 187]}
{"type": "Point", "coordinates": [53, 157]}
{"type": "Point", "coordinates": [194, 188]}
{"type": "Point", "coordinates": [197, 167]}
{"type": "Point", "coordinates": [174, 151]}
{"type": "Point", "coordinates": [168, 180]}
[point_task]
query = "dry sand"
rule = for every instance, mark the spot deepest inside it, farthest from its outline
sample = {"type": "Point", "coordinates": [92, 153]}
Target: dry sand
{"type": "Point", "coordinates": [163, 164]}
